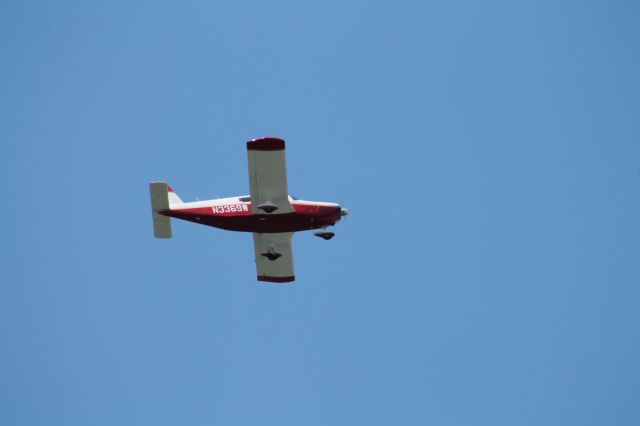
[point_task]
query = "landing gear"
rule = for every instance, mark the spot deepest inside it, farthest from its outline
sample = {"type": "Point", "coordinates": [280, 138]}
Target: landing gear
{"type": "Point", "coordinates": [271, 254]}
{"type": "Point", "coordinates": [327, 235]}
{"type": "Point", "coordinates": [267, 207]}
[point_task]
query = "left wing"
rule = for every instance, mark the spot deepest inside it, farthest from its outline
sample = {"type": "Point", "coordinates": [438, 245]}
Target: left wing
{"type": "Point", "coordinates": [274, 258]}
{"type": "Point", "coordinates": [268, 176]}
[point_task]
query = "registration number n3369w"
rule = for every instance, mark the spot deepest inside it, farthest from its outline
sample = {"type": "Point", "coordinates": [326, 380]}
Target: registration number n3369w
{"type": "Point", "coordinates": [233, 208]}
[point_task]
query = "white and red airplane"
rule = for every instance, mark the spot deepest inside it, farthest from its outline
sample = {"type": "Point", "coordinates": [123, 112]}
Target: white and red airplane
{"type": "Point", "coordinates": [269, 212]}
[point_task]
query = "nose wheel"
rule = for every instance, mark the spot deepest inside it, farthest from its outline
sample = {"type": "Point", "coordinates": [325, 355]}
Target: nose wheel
{"type": "Point", "coordinates": [327, 235]}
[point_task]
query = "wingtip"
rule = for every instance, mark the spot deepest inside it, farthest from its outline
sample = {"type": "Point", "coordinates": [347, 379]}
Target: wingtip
{"type": "Point", "coordinates": [266, 144]}
{"type": "Point", "coordinates": [276, 279]}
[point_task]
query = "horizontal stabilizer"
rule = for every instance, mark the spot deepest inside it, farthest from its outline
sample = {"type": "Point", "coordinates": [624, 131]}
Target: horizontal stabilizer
{"type": "Point", "coordinates": [160, 201]}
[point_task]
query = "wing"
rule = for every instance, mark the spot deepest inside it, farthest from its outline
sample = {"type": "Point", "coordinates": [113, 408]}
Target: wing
{"type": "Point", "coordinates": [268, 176]}
{"type": "Point", "coordinates": [277, 247]}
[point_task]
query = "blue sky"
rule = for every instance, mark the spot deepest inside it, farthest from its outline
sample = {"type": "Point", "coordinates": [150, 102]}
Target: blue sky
{"type": "Point", "coordinates": [488, 275]}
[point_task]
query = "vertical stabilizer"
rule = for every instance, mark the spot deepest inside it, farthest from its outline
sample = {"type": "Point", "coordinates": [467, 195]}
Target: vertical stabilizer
{"type": "Point", "coordinates": [173, 197]}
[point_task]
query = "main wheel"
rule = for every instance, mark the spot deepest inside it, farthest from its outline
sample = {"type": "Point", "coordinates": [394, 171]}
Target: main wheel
{"type": "Point", "coordinates": [271, 255]}
{"type": "Point", "coordinates": [327, 235]}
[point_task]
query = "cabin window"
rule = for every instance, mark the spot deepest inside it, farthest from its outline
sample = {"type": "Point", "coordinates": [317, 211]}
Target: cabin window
{"type": "Point", "coordinates": [245, 199]}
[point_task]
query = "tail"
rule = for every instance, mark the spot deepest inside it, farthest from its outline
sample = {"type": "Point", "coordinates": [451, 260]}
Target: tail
{"type": "Point", "coordinates": [173, 197]}
{"type": "Point", "coordinates": [162, 198]}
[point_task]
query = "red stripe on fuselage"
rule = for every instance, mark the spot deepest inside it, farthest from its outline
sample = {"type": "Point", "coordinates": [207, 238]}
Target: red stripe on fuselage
{"type": "Point", "coordinates": [305, 217]}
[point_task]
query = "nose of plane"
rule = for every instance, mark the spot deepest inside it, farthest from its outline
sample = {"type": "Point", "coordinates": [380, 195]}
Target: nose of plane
{"type": "Point", "coordinates": [344, 212]}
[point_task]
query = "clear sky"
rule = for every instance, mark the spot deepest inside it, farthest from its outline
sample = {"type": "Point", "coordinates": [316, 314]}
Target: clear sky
{"type": "Point", "coordinates": [489, 153]}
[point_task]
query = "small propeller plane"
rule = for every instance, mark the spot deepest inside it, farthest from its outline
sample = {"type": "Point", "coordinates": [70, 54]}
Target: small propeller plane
{"type": "Point", "coordinates": [269, 212]}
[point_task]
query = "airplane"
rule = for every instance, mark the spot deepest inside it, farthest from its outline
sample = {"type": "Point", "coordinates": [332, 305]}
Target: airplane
{"type": "Point", "coordinates": [269, 212]}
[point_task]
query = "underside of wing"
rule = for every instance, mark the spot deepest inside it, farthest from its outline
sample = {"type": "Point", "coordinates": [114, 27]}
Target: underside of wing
{"type": "Point", "coordinates": [268, 176]}
{"type": "Point", "coordinates": [274, 257]}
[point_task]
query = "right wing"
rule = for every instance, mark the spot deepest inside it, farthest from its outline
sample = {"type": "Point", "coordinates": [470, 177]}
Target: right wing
{"type": "Point", "coordinates": [268, 176]}
{"type": "Point", "coordinates": [279, 270]}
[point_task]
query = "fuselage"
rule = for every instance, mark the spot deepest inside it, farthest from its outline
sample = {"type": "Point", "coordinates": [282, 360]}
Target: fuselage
{"type": "Point", "coordinates": [235, 214]}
